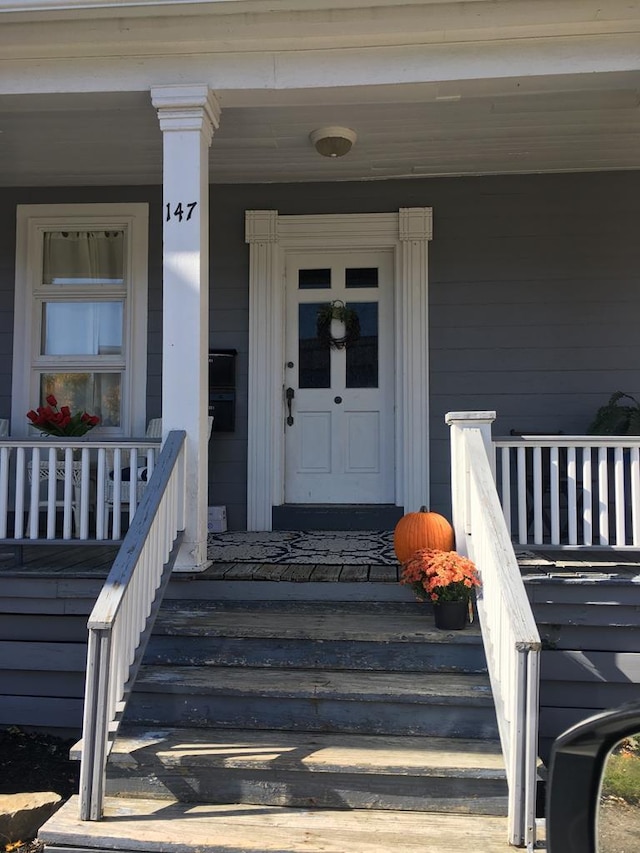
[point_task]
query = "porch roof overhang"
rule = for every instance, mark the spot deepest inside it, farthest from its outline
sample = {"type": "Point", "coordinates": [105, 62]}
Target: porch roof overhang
{"type": "Point", "coordinates": [431, 88]}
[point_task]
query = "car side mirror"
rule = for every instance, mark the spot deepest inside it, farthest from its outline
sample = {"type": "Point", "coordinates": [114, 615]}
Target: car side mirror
{"type": "Point", "coordinates": [579, 759]}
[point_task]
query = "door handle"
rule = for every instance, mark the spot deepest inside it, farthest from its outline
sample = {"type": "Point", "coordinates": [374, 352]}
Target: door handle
{"type": "Point", "coordinates": [289, 395]}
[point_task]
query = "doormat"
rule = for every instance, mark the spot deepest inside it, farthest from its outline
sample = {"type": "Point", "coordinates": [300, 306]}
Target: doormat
{"type": "Point", "coordinates": [331, 547]}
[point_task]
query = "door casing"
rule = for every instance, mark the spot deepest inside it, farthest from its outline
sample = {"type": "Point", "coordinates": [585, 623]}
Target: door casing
{"type": "Point", "coordinates": [270, 236]}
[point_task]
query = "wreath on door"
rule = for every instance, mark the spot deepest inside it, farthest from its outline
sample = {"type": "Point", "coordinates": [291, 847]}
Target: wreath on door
{"type": "Point", "coordinates": [337, 310]}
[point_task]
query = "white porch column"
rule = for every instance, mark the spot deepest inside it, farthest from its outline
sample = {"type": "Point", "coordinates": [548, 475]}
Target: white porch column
{"type": "Point", "coordinates": [189, 115]}
{"type": "Point", "coordinates": [459, 422]}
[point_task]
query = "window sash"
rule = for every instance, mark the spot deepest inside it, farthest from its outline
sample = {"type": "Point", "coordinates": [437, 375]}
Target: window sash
{"type": "Point", "coordinates": [119, 348]}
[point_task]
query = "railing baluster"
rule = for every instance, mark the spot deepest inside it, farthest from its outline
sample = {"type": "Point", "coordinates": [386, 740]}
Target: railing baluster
{"type": "Point", "coordinates": [620, 512]}
{"type": "Point", "coordinates": [554, 494]}
{"type": "Point", "coordinates": [34, 498]}
{"type": "Point", "coordinates": [603, 496]}
{"type": "Point", "coordinates": [587, 526]}
{"type": "Point", "coordinates": [20, 482]}
{"type": "Point", "coordinates": [101, 475]}
{"type": "Point", "coordinates": [5, 458]}
{"type": "Point", "coordinates": [84, 493]}
{"type": "Point", "coordinates": [117, 480]}
{"type": "Point", "coordinates": [133, 483]}
{"type": "Point", "coordinates": [572, 493]}
{"type": "Point", "coordinates": [523, 509]}
{"type": "Point", "coordinates": [635, 495]}
{"type": "Point", "coordinates": [537, 496]}
{"type": "Point", "coordinates": [52, 486]}
{"type": "Point", "coordinates": [69, 509]}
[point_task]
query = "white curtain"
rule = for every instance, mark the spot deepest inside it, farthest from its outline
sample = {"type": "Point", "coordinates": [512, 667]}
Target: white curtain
{"type": "Point", "coordinates": [83, 257]}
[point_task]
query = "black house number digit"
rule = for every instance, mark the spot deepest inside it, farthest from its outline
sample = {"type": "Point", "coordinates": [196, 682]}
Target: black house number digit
{"type": "Point", "coordinates": [181, 212]}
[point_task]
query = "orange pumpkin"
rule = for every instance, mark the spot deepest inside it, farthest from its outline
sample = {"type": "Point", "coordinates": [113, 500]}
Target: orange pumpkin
{"type": "Point", "coordinates": [423, 529]}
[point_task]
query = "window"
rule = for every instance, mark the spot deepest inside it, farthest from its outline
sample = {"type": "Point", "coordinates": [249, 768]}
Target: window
{"type": "Point", "coordinates": [81, 312]}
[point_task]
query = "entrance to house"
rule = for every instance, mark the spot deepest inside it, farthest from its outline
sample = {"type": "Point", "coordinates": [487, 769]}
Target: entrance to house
{"type": "Point", "coordinates": [337, 428]}
{"type": "Point", "coordinates": [339, 378]}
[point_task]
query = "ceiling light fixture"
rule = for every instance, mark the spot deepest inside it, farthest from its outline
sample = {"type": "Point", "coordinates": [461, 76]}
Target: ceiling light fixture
{"type": "Point", "coordinates": [333, 141]}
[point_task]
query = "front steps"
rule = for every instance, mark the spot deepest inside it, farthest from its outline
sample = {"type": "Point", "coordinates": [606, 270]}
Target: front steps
{"type": "Point", "coordinates": [305, 770]}
{"type": "Point", "coordinates": [158, 826]}
{"type": "Point", "coordinates": [301, 725]}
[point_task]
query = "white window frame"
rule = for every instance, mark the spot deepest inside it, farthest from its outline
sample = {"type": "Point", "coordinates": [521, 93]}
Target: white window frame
{"type": "Point", "coordinates": [33, 221]}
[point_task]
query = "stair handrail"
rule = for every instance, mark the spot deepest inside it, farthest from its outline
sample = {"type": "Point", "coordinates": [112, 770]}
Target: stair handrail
{"type": "Point", "coordinates": [121, 620]}
{"type": "Point", "coordinates": [509, 632]}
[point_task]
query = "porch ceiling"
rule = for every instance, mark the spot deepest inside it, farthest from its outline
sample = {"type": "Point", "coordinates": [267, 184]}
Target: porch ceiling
{"type": "Point", "coordinates": [512, 125]}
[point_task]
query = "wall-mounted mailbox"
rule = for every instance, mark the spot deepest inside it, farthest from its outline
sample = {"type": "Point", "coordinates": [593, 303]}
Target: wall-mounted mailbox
{"type": "Point", "coordinates": [222, 389]}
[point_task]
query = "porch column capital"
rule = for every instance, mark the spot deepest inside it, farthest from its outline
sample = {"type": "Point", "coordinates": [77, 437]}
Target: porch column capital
{"type": "Point", "coordinates": [187, 107]}
{"type": "Point", "coordinates": [415, 223]}
{"type": "Point", "coordinates": [469, 419]}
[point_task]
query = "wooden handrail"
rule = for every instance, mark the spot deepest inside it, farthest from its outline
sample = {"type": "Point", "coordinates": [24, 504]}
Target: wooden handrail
{"type": "Point", "coordinates": [123, 615]}
{"type": "Point", "coordinates": [510, 636]}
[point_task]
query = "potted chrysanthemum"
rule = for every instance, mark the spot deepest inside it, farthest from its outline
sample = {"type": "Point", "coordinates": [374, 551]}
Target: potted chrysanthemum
{"type": "Point", "coordinates": [445, 578]}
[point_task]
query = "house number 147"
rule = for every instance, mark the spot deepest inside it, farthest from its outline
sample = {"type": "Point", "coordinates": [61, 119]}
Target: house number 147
{"type": "Point", "coordinates": [180, 212]}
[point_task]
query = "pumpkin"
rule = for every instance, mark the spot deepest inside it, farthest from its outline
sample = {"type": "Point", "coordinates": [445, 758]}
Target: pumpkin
{"type": "Point", "coordinates": [423, 529]}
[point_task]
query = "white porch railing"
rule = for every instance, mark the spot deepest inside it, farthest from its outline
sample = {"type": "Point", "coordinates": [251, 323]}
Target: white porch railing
{"type": "Point", "coordinates": [122, 618]}
{"type": "Point", "coordinates": [509, 632]}
{"type": "Point", "coordinates": [71, 488]}
{"type": "Point", "coordinates": [571, 490]}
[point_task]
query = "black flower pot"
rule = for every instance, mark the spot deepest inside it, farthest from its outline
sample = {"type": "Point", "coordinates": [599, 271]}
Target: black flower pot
{"type": "Point", "coordinates": [451, 615]}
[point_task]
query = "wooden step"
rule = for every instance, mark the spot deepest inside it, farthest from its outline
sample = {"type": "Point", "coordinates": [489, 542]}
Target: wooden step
{"type": "Point", "coordinates": [309, 770]}
{"type": "Point", "coordinates": [378, 637]}
{"type": "Point", "coordinates": [448, 705]}
{"type": "Point", "coordinates": [155, 826]}
{"type": "Point", "coordinates": [283, 586]}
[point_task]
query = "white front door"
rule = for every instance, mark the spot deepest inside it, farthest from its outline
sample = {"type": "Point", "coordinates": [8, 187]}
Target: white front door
{"type": "Point", "coordinates": [339, 400]}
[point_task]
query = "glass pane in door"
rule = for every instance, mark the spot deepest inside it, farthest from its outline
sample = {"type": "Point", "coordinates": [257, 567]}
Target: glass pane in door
{"type": "Point", "coordinates": [361, 277]}
{"type": "Point", "coordinates": [362, 356]}
{"type": "Point", "coordinates": [314, 357]}
{"type": "Point", "coordinates": [314, 279]}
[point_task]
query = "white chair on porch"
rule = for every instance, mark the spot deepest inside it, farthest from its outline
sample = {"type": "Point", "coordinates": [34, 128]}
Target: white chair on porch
{"type": "Point", "coordinates": [154, 430]}
{"type": "Point", "coordinates": [140, 476]}
{"type": "Point", "coordinates": [60, 476]}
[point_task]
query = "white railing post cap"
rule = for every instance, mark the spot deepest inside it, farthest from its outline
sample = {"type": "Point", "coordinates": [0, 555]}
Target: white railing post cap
{"type": "Point", "coordinates": [472, 418]}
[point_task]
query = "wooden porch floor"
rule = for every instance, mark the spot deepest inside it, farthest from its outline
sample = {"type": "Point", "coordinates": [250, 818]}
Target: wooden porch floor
{"type": "Point", "coordinates": [94, 561]}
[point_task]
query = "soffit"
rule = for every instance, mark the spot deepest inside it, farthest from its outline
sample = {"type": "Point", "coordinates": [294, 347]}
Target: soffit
{"type": "Point", "coordinates": [575, 123]}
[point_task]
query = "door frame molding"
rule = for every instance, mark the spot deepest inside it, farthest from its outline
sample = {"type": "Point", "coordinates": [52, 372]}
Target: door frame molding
{"type": "Point", "coordinates": [270, 236]}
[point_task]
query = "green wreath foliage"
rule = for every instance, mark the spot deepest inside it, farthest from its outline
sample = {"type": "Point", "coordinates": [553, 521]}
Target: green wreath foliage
{"type": "Point", "coordinates": [337, 310]}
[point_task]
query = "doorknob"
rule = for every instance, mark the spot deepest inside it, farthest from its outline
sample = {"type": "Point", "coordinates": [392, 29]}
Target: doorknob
{"type": "Point", "coordinates": [289, 395]}
{"type": "Point", "coordinates": [337, 399]}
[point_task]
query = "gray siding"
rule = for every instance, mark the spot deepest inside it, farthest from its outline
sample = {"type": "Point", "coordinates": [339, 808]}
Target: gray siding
{"type": "Point", "coordinates": [590, 649]}
{"type": "Point", "coordinates": [533, 290]}
{"type": "Point", "coordinates": [43, 641]}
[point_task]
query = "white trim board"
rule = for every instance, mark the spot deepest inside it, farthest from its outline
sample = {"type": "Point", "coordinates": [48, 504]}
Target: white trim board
{"type": "Point", "coordinates": [270, 236]}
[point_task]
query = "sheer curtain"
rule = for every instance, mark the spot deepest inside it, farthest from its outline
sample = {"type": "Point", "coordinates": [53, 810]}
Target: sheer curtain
{"type": "Point", "coordinates": [83, 257]}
